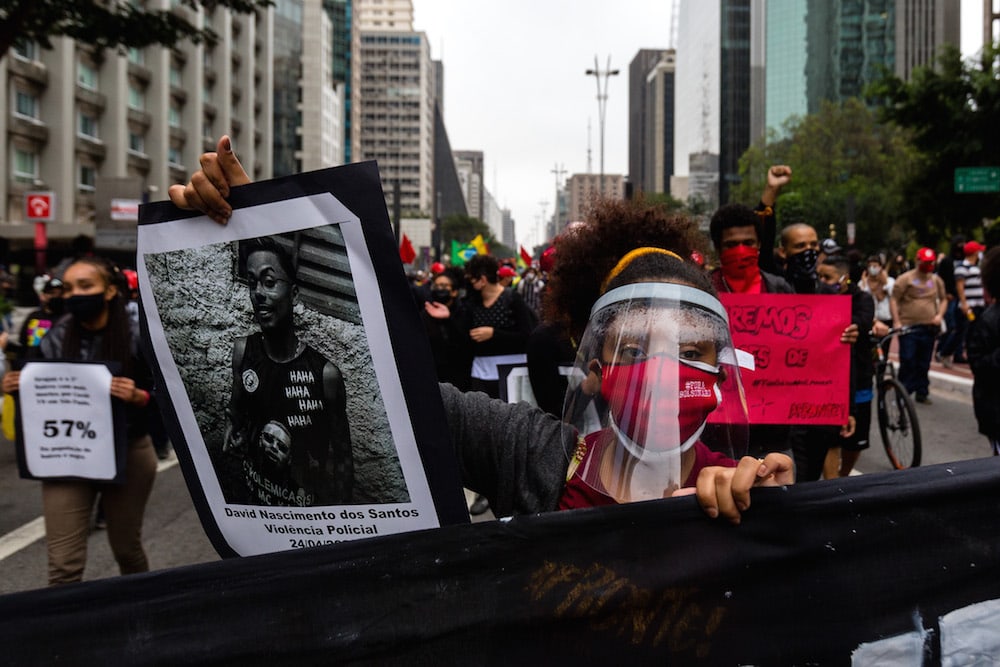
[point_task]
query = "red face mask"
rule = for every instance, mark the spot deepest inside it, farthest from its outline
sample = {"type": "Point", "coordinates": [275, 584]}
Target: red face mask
{"type": "Point", "coordinates": [659, 397]}
{"type": "Point", "coordinates": [739, 266]}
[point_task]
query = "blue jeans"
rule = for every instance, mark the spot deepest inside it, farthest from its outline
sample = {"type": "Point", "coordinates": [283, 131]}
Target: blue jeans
{"type": "Point", "coordinates": [951, 343]}
{"type": "Point", "coordinates": [915, 351]}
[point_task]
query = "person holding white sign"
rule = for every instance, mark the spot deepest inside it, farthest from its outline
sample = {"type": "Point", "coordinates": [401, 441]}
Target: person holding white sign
{"type": "Point", "coordinates": [98, 329]}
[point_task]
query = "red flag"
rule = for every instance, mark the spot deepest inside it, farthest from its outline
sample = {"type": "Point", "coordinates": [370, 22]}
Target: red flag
{"type": "Point", "coordinates": [406, 251]}
{"type": "Point", "coordinates": [525, 256]}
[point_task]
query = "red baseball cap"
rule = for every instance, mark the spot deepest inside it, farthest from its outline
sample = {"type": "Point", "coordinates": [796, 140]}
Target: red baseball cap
{"type": "Point", "coordinates": [926, 255]}
{"type": "Point", "coordinates": [437, 268]}
{"type": "Point", "coordinates": [973, 247]}
{"type": "Point", "coordinates": [506, 272]}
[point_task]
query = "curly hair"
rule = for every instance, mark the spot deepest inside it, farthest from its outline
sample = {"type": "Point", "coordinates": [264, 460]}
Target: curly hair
{"type": "Point", "coordinates": [586, 254]}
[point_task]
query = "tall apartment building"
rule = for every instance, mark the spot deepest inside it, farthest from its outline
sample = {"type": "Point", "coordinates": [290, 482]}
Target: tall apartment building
{"type": "Point", "coordinates": [76, 118]}
{"type": "Point", "coordinates": [469, 165]}
{"type": "Point", "coordinates": [585, 189]}
{"type": "Point", "coordinates": [832, 49]}
{"type": "Point", "coordinates": [392, 101]}
{"type": "Point", "coordinates": [651, 120]}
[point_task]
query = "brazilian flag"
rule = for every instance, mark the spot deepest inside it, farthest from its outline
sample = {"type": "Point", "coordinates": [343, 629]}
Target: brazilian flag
{"type": "Point", "coordinates": [460, 254]}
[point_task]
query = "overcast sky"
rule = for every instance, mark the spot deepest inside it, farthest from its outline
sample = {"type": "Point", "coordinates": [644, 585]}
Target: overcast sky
{"type": "Point", "coordinates": [516, 88]}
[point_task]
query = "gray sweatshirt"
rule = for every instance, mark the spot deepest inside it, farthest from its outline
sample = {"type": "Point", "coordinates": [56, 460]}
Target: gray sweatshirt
{"type": "Point", "coordinates": [514, 454]}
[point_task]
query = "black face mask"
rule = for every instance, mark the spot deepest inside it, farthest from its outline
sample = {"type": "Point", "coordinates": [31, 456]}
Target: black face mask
{"type": "Point", "coordinates": [440, 295]}
{"type": "Point", "coordinates": [802, 266]}
{"type": "Point", "coordinates": [56, 305]}
{"type": "Point", "coordinates": [85, 307]}
{"type": "Point", "coordinates": [827, 288]}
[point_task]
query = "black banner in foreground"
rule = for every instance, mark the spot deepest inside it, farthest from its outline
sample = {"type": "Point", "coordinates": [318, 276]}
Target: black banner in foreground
{"type": "Point", "coordinates": [896, 568]}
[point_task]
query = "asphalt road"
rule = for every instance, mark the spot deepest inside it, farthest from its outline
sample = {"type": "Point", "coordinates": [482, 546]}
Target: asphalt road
{"type": "Point", "coordinates": [173, 535]}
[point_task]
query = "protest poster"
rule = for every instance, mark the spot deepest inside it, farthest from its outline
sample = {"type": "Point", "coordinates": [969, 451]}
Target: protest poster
{"type": "Point", "coordinates": [302, 398]}
{"type": "Point", "coordinates": [801, 369]}
{"type": "Point", "coordinates": [69, 426]}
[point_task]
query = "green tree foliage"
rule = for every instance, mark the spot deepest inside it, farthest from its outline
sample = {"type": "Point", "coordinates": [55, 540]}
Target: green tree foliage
{"type": "Point", "coordinates": [109, 24]}
{"type": "Point", "coordinates": [846, 164]}
{"type": "Point", "coordinates": [953, 113]}
{"type": "Point", "coordinates": [463, 228]}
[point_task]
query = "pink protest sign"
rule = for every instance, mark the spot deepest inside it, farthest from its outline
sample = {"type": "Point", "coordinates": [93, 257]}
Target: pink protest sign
{"type": "Point", "coordinates": [802, 373]}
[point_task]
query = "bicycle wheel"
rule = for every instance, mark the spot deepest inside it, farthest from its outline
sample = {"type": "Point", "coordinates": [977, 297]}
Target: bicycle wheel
{"type": "Point", "coordinates": [897, 422]}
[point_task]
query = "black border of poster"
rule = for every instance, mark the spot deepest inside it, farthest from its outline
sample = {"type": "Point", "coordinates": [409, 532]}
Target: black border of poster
{"type": "Point", "coordinates": [117, 416]}
{"type": "Point", "coordinates": [355, 186]}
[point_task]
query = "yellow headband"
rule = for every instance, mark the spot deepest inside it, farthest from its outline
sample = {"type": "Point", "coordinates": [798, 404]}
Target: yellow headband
{"type": "Point", "coordinates": [630, 257]}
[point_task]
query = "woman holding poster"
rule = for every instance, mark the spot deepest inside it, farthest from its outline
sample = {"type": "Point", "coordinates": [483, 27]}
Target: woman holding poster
{"type": "Point", "coordinates": [656, 348]}
{"type": "Point", "coordinates": [98, 329]}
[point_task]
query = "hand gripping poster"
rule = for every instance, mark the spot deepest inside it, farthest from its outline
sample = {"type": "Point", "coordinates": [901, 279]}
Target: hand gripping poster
{"type": "Point", "coordinates": [298, 385]}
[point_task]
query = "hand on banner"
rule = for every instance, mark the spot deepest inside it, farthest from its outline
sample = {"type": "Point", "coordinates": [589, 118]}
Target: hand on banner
{"type": "Point", "coordinates": [11, 381]}
{"type": "Point", "coordinates": [209, 186]}
{"type": "Point", "coordinates": [850, 335]}
{"type": "Point", "coordinates": [847, 430]}
{"type": "Point", "coordinates": [726, 491]}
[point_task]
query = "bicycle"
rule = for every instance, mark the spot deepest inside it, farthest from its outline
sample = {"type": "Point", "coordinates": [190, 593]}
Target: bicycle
{"type": "Point", "coordinates": [897, 415]}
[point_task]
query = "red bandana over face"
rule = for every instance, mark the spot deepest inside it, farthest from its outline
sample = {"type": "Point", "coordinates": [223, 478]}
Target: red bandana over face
{"type": "Point", "coordinates": [740, 269]}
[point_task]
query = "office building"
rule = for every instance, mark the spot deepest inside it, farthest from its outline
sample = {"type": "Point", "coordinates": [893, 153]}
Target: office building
{"type": "Point", "coordinates": [309, 102]}
{"type": "Point", "coordinates": [469, 165]}
{"type": "Point", "coordinates": [585, 189]}
{"type": "Point", "coordinates": [651, 120]}
{"type": "Point", "coordinates": [833, 49]}
{"type": "Point", "coordinates": [76, 119]}
{"type": "Point", "coordinates": [392, 102]}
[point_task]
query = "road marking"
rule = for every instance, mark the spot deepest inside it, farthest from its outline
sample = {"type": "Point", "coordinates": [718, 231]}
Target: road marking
{"type": "Point", "coordinates": [34, 530]}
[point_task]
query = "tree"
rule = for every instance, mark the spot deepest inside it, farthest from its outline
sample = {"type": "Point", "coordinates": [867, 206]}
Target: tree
{"type": "Point", "coordinates": [109, 24]}
{"type": "Point", "coordinates": [953, 114]}
{"type": "Point", "coordinates": [463, 228]}
{"type": "Point", "coordinates": [848, 167]}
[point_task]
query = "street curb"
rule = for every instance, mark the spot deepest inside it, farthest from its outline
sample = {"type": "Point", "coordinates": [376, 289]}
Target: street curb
{"type": "Point", "coordinates": [951, 383]}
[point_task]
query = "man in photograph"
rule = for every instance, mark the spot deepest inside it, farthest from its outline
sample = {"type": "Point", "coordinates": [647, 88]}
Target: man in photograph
{"type": "Point", "coordinates": [287, 416]}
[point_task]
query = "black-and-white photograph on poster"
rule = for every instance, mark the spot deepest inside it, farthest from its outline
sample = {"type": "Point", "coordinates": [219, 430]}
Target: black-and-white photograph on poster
{"type": "Point", "coordinates": [287, 353]}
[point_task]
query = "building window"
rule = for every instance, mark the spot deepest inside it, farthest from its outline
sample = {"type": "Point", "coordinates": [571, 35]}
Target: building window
{"type": "Point", "coordinates": [25, 166]}
{"type": "Point", "coordinates": [136, 56]}
{"type": "Point", "coordinates": [174, 116]}
{"type": "Point", "coordinates": [87, 125]}
{"type": "Point", "coordinates": [136, 99]}
{"type": "Point", "coordinates": [208, 130]}
{"type": "Point", "coordinates": [26, 49]}
{"type": "Point", "coordinates": [87, 178]}
{"type": "Point", "coordinates": [26, 105]}
{"type": "Point", "coordinates": [86, 76]}
{"type": "Point", "coordinates": [136, 143]}
{"type": "Point", "coordinates": [175, 77]}
{"type": "Point", "coordinates": [174, 157]}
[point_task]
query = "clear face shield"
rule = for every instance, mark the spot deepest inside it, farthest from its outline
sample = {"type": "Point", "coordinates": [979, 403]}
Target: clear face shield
{"type": "Point", "coordinates": [656, 391]}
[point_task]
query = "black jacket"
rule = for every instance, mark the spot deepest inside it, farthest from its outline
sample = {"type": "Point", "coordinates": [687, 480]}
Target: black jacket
{"type": "Point", "coordinates": [982, 347]}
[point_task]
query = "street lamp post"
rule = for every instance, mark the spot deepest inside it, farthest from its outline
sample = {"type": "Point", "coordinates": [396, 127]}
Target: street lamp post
{"type": "Point", "coordinates": [602, 102]}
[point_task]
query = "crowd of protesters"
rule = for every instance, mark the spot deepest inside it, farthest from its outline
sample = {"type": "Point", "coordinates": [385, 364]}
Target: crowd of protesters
{"type": "Point", "coordinates": [486, 316]}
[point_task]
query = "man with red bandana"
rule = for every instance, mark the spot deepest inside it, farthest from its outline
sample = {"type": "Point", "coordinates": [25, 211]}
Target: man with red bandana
{"type": "Point", "coordinates": [737, 233]}
{"type": "Point", "coordinates": [740, 234]}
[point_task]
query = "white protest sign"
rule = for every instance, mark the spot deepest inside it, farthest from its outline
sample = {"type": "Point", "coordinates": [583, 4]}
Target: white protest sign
{"type": "Point", "coordinates": [67, 423]}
